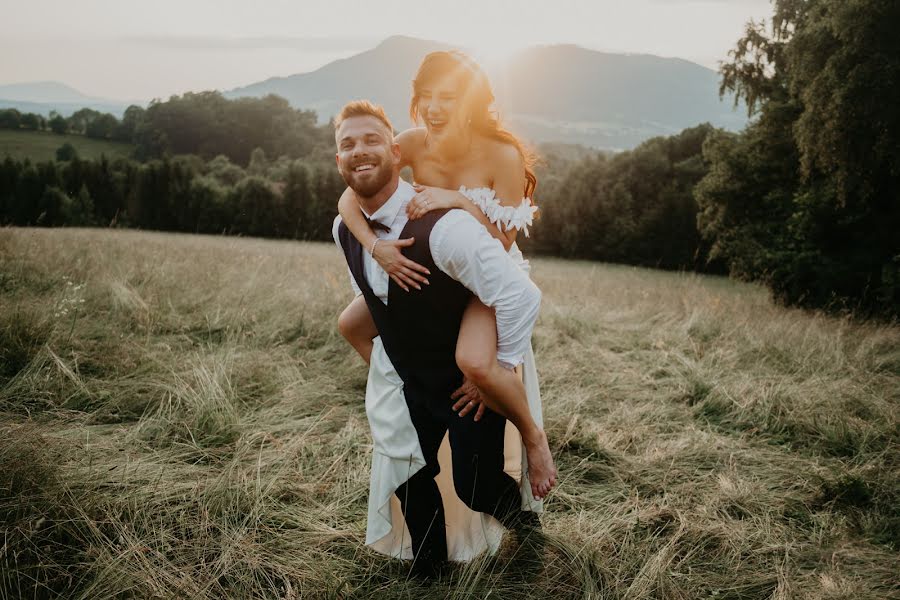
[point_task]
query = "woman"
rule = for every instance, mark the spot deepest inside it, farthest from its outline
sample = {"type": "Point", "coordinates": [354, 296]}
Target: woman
{"type": "Point", "coordinates": [462, 147]}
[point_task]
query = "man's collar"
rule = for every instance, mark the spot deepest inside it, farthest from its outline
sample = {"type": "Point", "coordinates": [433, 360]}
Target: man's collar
{"type": "Point", "coordinates": [388, 211]}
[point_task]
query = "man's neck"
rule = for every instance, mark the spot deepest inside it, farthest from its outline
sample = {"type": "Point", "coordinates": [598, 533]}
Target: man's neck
{"type": "Point", "coordinates": [373, 203]}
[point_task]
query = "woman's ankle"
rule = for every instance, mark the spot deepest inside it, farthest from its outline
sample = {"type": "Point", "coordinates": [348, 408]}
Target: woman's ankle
{"type": "Point", "coordinates": [533, 436]}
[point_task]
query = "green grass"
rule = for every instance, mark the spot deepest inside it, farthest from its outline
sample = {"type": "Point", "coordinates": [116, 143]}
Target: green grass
{"type": "Point", "coordinates": [180, 418]}
{"type": "Point", "coordinates": [42, 145]}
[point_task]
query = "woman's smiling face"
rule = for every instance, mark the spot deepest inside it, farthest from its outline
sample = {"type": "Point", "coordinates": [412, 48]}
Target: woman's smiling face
{"type": "Point", "coordinates": [439, 105]}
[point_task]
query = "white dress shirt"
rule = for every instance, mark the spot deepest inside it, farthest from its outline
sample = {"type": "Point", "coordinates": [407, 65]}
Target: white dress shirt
{"type": "Point", "coordinates": [462, 248]}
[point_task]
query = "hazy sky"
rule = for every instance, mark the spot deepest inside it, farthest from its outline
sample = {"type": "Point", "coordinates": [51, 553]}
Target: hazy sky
{"type": "Point", "coordinates": [137, 50]}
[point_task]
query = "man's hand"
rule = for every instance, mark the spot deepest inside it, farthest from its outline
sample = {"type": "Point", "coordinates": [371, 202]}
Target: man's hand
{"type": "Point", "coordinates": [468, 398]}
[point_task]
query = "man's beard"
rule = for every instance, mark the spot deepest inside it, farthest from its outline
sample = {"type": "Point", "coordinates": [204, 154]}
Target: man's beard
{"type": "Point", "coordinates": [367, 183]}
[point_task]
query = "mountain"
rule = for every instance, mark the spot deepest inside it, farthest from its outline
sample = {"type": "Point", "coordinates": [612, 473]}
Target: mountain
{"type": "Point", "coordinates": [610, 100]}
{"type": "Point", "coordinates": [43, 96]}
{"type": "Point", "coordinates": [383, 74]}
{"type": "Point", "coordinates": [43, 91]}
{"type": "Point", "coordinates": [561, 93]}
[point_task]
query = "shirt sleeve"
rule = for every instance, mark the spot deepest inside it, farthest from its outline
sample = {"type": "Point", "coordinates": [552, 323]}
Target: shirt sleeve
{"type": "Point", "coordinates": [334, 234]}
{"type": "Point", "coordinates": [463, 249]}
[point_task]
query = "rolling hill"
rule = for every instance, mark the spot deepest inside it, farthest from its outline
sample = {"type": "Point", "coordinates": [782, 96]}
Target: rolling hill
{"type": "Point", "coordinates": [43, 96]}
{"type": "Point", "coordinates": [561, 93]}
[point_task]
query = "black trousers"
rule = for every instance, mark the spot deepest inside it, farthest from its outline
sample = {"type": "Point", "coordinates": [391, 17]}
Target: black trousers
{"type": "Point", "coordinates": [478, 475]}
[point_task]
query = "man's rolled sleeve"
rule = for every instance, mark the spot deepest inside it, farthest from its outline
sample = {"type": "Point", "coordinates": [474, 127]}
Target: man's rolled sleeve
{"type": "Point", "coordinates": [463, 249]}
{"type": "Point", "coordinates": [513, 352]}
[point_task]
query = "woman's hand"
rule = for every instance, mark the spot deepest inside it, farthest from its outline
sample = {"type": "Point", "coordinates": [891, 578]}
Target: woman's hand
{"type": "Point", "coordinates": [405, 272]}
{"type": "Point", "coordinates": [432, 198]}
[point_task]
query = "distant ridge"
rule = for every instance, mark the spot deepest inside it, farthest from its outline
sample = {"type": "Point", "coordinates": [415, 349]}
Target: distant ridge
{"type": "Point", "coordinates": [558, 93]}
{"type": "Point", "coordinates": [43, 96]}
{"type": "Point", "coordinates": [43, 91]}
{"type": "Point", "coordinates": [382, 74]}
{"type": "Point", "coordinates": [561, 93]}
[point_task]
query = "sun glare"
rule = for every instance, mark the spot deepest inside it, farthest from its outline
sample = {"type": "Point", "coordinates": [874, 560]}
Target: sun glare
{"type": "Point", "coordinates": [494, 52]}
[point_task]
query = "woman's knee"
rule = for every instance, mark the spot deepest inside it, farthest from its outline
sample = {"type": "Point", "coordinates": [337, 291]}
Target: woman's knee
{"type": "Point", "coordinates": [349, 326]}
{"type": "Point", "coordinates": [475, 365]}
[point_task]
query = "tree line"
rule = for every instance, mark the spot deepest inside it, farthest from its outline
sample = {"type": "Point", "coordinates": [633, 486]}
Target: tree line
{"type": "Point", "coordinates": [204, 123]}
{"type": "Point", "coordinates": [272, 198]}
{"type": "Point", "coordinates": [634, 207]}
{"type": "Point", "coordinates": [85, 121]}
{"type": "Point", "coordinates": [807, 198]}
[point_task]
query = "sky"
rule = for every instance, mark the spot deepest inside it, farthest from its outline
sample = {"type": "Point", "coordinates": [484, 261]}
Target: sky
{"type": "Point", "coordinates": [130, 50]}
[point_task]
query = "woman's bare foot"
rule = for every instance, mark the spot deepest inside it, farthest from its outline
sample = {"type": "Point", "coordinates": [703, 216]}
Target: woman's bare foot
{"type": "Point", "coordinates": [541, 469]}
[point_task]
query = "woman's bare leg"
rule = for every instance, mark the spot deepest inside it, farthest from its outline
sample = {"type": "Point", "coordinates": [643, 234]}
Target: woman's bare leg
{"type": "Point", "coordinates": [502, 390]}
{"type": "Point", "coordinates": [357, 326]}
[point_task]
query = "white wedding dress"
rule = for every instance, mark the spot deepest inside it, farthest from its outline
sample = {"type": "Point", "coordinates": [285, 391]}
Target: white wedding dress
{"type": "Point", "coordinates": [397, 455]}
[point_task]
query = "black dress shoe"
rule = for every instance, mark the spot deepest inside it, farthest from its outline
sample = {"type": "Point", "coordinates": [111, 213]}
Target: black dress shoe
{"type": "Point", "coordinates": [528, 556]}
{"type": "Point", "coordinates": [426, 569]}
{"type": "Point", "coordinates": [524, 522]}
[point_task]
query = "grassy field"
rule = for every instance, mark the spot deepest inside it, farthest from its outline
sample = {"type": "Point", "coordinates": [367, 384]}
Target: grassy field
{"type": "Point", "coordinates": [42, 145]}
{"type": "Point", "coordinates": [179, 418]}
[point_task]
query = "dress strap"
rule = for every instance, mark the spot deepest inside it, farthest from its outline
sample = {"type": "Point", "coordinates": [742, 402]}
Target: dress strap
{"type": "Point", "coordinates": [505, 217]}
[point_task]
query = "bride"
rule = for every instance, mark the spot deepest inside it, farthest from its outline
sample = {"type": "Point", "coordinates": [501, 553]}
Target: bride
{"type": "Point", "coordinates": [461, 158]}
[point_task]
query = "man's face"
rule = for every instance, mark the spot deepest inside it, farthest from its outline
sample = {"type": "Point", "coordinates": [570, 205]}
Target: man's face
{"type": "Point", "coordinates": [366, 154]}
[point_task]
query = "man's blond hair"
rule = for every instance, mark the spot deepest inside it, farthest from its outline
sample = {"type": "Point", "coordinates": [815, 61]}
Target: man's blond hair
{"type": "Point", "coordinates": [362, 108]}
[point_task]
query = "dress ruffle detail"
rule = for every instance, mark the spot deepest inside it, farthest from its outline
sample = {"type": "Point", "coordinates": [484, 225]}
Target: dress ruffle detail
{"type": "Point", "coordinates": [505, 217]}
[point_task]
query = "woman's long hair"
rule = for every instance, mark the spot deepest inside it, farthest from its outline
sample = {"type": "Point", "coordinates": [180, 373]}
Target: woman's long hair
{"type": "Point", "coordinates": [476, 97]}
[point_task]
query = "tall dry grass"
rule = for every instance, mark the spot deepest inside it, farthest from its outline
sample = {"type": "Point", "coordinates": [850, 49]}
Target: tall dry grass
{"type": "Point", "coordinates": [180, 418]}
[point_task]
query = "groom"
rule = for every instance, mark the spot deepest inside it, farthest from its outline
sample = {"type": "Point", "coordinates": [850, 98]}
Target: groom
{"type": "Point", "coordinates": [419, 329]}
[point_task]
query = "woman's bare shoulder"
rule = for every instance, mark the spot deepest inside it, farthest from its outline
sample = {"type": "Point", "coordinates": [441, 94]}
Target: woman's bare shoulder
{"type": "Point", "coordinates": [411, 142]}
{"type": "Point", "coordinates": [503, 154]}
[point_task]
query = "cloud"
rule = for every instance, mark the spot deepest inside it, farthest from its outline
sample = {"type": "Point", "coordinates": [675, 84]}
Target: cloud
{"type": "Point", "coordinates": [304, 44]}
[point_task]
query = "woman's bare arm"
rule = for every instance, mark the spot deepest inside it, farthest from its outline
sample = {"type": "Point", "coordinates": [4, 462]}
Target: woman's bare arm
{"type": "Point", "coordinates": [412, 143]}
{"type": "Point", "coordinates": [405, 272]}
{"type": "Point", "coordinates": [509, 181]}
{"type": "Point", "coordinates": [433, 198]}
{"type": "Point", "coordinates": [353, 218]}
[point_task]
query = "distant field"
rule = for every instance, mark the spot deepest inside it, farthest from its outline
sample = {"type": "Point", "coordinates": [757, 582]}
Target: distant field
{"type": "Point", "coordinates": [42, 145]}
{"type": "Point", "coordinates": [179, 418]}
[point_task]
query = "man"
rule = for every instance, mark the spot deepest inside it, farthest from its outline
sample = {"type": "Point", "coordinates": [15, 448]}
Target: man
{"type": "Point", "coordinates": [419, 329]}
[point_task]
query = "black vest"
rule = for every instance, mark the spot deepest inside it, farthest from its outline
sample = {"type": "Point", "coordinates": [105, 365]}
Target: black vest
{"type": "Point", "coordinates": [418, 328]}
